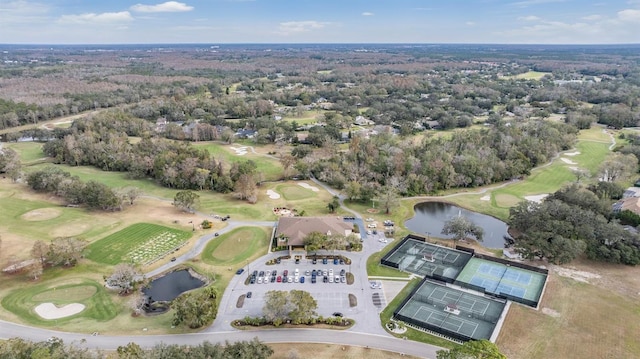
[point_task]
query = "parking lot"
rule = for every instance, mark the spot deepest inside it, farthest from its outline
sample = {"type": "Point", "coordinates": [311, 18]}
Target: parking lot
{"type": "Point", "coordinates": [330, 288]}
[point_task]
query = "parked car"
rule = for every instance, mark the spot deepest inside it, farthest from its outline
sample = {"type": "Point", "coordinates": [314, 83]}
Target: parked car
{"type": "Point", "coordinates": [325, 279]}
{"type": "Point", "coordinates": [313, 279]}
{"type": "Point", "coordinates": [337, 279]}
{"type": "Point", "coordinates": [337, 314]}
{"type": "Point", "coordinates": [314, 261]}
{"type": "Point", "coordinates": [290, 280]}
{"type": "Point", "coordinates": [261, 274]}
{"type": "Point", "coordinates": [301, 279]}
{"type": "Point", "coordinates": [372, 225]}
{"type": "Point", "coordinates": [249, 294]}
{"type": "Point", "coordinates": [336, 261]}
{"type": "Point", "coordinates": [325, 261]}
{"type": "Point", "coordinates": [285, 273]}
{"type": "Point", "coordinates": [240, 271]}
{"type": "Point", "coordinates": [343, 272]}
{"type": "Point", "coordinates": [369, 219]}
{"type": "Point", "coordinates": [343, 279]}
{"type": "Point", "coordinates": [273, 279]}
{"type": "Point", "coordinates": [259, 280]}
{"type": "Point", "coordinates": [307, 272]}
{"type": "Point", "coordinates": [279, 279]}
{"type": "Point", "coordinates": [330, 279]}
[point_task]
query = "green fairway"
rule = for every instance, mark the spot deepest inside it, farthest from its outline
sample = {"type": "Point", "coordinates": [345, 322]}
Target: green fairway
{"type": "Point", "coordinates": [98, 305]}
{"type": "Point", "coordinates": [236, 246]}
{"type": "Point", "coordinates": [28, 151]}
{"type": "Point", "coordinates": [294, 192]}
{"type": "Point", "coordinates": [139, 243]}
{"type": "Point", "coordinates": [269, 167]}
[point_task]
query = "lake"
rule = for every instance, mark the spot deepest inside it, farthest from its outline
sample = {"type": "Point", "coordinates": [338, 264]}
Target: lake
{"type": "Point", "coordinates": [171, 285]}
{"type": "Point", "coordinates": [430, 217]}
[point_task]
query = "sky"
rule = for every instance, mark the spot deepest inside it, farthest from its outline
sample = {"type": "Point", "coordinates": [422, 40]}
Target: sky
{"type": "Point", "coordinates": [319, 21]}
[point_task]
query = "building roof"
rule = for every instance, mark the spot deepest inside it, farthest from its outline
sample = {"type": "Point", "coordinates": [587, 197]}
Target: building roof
{"type": "Point", "coordinates": [297, 228]}
{"type": "Point", "coordinates": [631, 204]}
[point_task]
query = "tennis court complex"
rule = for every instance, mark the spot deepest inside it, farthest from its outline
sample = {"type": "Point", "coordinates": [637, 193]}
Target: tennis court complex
{"type": "Point", "coordinates": [503, 280]}
{"type": "Point", "coordinates": [425, 259]}
{"type": "Point", "coordinates": [449, 311]}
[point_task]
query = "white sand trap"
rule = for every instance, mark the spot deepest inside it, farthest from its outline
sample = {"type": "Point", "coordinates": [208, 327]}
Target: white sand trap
{"type": "Point", "coordinates": [567, 161]}
{"type": "Point", "coordinates": [307, 186]}
{"type": "Point", "coordinates": [536, 198]}
{"type": "Point", "coordinates": [240, 151]}
{"type": "Point", "coordinates": [485, 198]}
{"type": "Point", "coordinates": [571, 154]}
{"type": "Point", "coordinates": [273, 194]}
{"type": "Point", "coordinates": [50, 311]}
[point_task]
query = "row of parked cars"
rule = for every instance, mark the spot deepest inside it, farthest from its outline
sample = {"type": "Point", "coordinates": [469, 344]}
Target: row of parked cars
{"type": "Point", "coordinates": [263, 277]}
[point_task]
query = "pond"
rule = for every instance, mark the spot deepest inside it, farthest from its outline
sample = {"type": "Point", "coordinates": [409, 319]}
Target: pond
{"type": "Point", "coordinates": [430, 217]}
{"type": "Point", "coordinates": [171, 285]}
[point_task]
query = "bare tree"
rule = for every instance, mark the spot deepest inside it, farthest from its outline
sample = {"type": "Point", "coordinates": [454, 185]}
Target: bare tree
{"type": "Point", "coordinates": [39, 252]}
{"type": "Point", "coordinates": [124, 278]}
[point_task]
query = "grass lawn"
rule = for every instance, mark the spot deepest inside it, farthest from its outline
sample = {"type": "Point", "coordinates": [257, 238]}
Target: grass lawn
{"type": "Point", "coordinates": [236, 246]}
{"type": "Point", "coordinates": [139, 243]}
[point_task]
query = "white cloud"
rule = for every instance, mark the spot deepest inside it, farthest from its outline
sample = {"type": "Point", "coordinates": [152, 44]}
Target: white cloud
{"type": "Point", "coordinates": [366, 13]}
{"type": "Point", "coordinates": [93, 18]}
{"type": "Point", "coordinates": [22, 11]}
{"type": "Point", "coordinates": [169, 6]}
{"type": "Point", "coordinates": [528, 3]}
{"type": "Point", "coordinates": [529, 18]}
{"type": "Point", "coordinates": [631, 15]}
{"type": "Point", "coordinates": [292, 27]}
{"type": "Point", "coordinates": [470, 23]}
{"type": "Point", "coordinates": [592, 17]}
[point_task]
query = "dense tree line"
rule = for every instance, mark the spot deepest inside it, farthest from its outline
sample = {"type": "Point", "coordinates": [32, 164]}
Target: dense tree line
{"type": "Point", "coordinates": [195, 309]}
{"type": "Point", "coordinates": [570, 222]}
{"type": "Point", "coordinates": [469, 158]}
{"type": "Point", "coordinates": [56, 348]}
{"type": "Point", "coordinates": [103, 142]}
{"type": "Point", "coordinates": [93, 194]}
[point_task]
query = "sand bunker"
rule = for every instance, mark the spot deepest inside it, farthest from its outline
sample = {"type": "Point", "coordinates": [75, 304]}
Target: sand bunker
{"type": "Point", "coordinates": [273, 194]}
{"type": "Point", "coordinates": [307, 186]}
{"type": "Point", "coordinates": [536, 198]}
{"type": "Point", "coordinates": [567, 161]}
{"type": "Point", "coordinates": [240, 151]}
{"type": "Point", "coordinates": [485, 198]}
{"type": "Point", "coordinates": [41, 214]}
{"type": "Point", "coordinates": [571, 154]}
{"type": "Point", "coordinates": [50, 311]}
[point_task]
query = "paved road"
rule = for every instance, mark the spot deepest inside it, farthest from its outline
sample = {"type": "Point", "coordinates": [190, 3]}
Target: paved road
{"type": "Point", "coordinates": [8, 330]}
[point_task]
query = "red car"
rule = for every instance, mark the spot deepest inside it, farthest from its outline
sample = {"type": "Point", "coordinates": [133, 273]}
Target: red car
{"type": "Point", "coordinates": [279, 279]}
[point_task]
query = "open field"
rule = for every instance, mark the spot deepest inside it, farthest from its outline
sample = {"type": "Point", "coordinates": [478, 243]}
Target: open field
{"type": "Point", "coordinates": [236, 246]}
{"type": "Point", "coordinates": [306, 117]}
{"type": "Point", "coordinates": [577, 319]}
{"type": "Point", "coordinates": [328, 351]}
{"type": "Point", "coordinates": [529, 75]}
{"type": "Point", "coordinates": [140, 243]}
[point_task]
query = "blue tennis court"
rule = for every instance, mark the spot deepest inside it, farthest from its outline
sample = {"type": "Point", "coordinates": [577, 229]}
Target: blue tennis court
{"type": "Point", "coordinates": [517, 276]}
{"type": "Point", "coordinates": [488, 284]}
{"type": "Point", "coordinates": [495, 271]}
{"type": "Point", "coordinates": [507, 289]}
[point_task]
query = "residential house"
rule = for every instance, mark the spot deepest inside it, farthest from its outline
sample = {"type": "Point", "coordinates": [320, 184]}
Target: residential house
{"type": "Point", "coordinates": [627, 204]}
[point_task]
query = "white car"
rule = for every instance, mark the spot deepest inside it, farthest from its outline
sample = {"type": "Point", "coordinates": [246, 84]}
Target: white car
{"type": "Point", "coordinates": [369, 219]}
{"type": "Point", "coordinates": [259, 280]}
{"type": "Point", "coordinates": [330, 279]}
{"type": "Point", "coordinates": [290, 279]}
{"type": "Point", "coordinates": [330, 271]}
{"type": "Point", "coordinates": [373, 285]}
{"type": "Point", "coordinates": [372, 225]}
{"type": "Point", "coordinates": [296, 279]}
{"type": "Point", "coordinates": [369, 232]}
